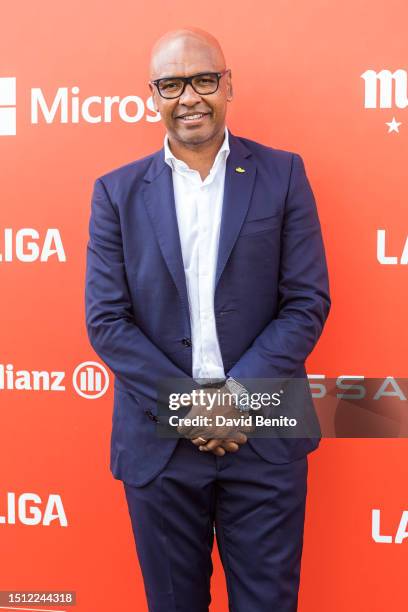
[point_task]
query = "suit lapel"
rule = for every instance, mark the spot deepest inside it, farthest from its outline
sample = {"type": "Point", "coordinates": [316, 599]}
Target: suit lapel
{"type": "Point", "coordinates": [238, 189]}
{"type": "Point", "coordinates": [160, 204]}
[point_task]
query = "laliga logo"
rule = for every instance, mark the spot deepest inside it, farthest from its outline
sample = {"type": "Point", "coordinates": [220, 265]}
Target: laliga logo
{"type": "Point", "coordinates": [27, 245]}
{"type": "Point", "coordinates": [390, 260]}
{"type": "Point", "coordinates": [400, 534]}
{"type": "Point", "coordinates": [67, 107]}
{"type": "Point", "coordinates": [30, 509]}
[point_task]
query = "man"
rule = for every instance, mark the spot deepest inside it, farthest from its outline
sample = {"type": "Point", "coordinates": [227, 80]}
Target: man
{"type": "Point", "coordinates": [206, 264]}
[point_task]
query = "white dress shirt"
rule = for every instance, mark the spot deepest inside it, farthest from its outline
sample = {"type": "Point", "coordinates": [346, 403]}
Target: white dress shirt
{"type": "Point", "coordinates": [198, 208]}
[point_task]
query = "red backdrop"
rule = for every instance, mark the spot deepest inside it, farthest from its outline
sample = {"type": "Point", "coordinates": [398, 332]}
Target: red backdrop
{"type": "Point", "coordinates": [296, 69]}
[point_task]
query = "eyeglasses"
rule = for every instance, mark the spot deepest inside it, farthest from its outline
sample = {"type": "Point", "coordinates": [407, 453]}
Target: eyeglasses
{"type": "Point", "coordinates": [203, 83]}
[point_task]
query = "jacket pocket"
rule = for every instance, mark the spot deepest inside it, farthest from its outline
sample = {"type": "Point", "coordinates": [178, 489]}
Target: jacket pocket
{"type": "Point", "coordinates": [260, 225]}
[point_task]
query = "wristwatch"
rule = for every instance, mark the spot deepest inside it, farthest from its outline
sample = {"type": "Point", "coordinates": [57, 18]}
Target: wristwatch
{"type": "Point", "coordinates": [235, 387]}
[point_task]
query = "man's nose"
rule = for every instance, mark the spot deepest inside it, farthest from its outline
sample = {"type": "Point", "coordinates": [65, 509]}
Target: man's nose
{"type": "Point", "coordinates": [189, 96]}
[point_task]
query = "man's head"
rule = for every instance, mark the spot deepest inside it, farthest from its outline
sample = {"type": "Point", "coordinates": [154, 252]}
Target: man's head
{"type": "Point", "coordinates": [184, 53]}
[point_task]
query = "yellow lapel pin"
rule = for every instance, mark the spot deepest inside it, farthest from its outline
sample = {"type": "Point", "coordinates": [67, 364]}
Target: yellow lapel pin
{"type": "Point", "coordinates": [239, 169]}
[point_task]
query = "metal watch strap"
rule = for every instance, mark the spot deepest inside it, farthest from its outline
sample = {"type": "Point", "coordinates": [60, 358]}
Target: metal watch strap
{"type": "Point", "coordinates": [235, 387]}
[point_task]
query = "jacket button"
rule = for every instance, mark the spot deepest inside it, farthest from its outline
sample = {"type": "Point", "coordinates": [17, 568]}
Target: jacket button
{"type": "Point", "coordinates": [186, 341]}
{"type": "Point", "coordinates": [151, 416]}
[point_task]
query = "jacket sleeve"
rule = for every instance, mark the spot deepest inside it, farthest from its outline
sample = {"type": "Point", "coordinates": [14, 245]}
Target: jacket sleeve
{"type": "Point", "coordinates": [304, 300]}
{"type": "Point", "coordinates": [136, 362]}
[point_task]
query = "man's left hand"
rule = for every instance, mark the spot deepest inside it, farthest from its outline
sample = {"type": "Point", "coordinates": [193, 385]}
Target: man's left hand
{"type": "Point", "coordinates": [219, 438]}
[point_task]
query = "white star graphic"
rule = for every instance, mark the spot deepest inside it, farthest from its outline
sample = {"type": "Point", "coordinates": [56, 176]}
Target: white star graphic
{"type": "Point", "coordinates": [393, 125]}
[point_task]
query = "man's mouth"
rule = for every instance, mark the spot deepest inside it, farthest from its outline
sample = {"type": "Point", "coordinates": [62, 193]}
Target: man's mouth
{"type": "Point", "coordinates": [192, 117]}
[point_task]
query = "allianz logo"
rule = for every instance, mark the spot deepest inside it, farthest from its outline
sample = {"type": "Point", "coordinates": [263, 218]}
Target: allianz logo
{"type": "Point", "coordinates": [68, 105]}
{"type": "Point", "coordinates": [90, 379]}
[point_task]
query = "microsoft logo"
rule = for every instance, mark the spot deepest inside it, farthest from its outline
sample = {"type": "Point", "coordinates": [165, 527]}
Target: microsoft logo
{"type": "Point", "coordinates": [7, 106]}
{"type": "Point", "coordinates": [68, 106]}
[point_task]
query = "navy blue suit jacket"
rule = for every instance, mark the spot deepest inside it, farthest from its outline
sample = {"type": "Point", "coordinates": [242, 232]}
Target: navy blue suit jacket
{"type": "Point", "coordinates": [271, 293]}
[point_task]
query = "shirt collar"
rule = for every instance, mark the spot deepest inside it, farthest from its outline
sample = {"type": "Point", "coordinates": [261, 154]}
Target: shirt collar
{"type": "Point", "coordinates": [174, 162]}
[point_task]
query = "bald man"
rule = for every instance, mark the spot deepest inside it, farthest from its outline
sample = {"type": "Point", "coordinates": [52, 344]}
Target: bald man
{"type": "Point", "coordinates": [206, 267]}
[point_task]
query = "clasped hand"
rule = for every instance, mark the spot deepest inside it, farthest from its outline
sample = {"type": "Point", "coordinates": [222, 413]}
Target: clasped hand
{"type": "Point", "coordinates": [218, 439]}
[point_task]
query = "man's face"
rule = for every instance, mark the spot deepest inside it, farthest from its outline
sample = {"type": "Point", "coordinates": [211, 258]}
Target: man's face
{"type": "Point", "coordinates": [186, 57]}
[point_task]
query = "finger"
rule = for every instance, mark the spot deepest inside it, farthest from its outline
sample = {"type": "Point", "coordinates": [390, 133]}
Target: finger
{"type": "Point", "coordinates": [199, 441]}
{"type": "Point", "coordinates": [219, 451]}
{"type": "Point", "coordinates": [211, 445]}
{"type": "Point", "coordinates": [238, 437]}
{"type": "Point", "coordinates": [230, 446]}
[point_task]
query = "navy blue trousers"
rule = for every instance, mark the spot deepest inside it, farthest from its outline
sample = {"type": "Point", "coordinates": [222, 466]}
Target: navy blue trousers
{"type": "Point", "coordinates": [257, 509]}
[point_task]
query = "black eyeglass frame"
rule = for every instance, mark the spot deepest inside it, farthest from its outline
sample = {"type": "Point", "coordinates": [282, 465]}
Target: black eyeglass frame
{"type": "Point", "coordinates": [189, 80]}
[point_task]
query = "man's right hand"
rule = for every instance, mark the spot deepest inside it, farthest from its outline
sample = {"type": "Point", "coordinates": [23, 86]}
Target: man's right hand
{"type": "Point", "coordinates": [204, 440]}
{"type": "Point", "coordinates": [220, 447]}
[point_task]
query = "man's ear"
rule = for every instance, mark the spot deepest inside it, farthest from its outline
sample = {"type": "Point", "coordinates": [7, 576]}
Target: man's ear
{"type": "Point", "coordinates": [230, 91]}
{"type": "Point", "coordinates": [153, 92]}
